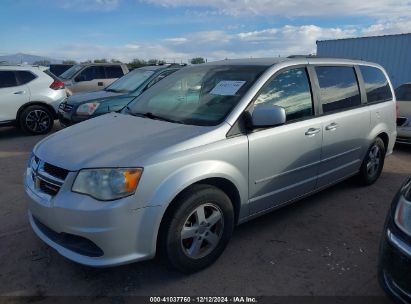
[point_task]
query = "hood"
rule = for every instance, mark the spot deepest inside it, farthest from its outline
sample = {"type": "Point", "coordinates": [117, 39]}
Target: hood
{"type": "Point", "coordinates": [114, 140]}
{"type": "Point", "coordinates": [405, 108]}
{"type": "Point", "coordinates": [90, 96]}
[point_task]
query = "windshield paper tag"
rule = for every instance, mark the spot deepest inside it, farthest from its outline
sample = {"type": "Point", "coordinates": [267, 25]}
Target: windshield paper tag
{"type": "Point", "coordinates": [227, 87]}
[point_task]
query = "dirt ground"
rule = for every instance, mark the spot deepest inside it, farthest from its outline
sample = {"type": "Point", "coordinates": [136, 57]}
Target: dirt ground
{"type": "Point", "coordinates": [325, 245]}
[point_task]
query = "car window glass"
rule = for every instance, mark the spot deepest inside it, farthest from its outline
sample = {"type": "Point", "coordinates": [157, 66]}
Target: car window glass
{"type": "Point", "coordinates": [403, 92]}
{"type": "Point", "coordinates": [114, 72]}
{"type": "Point", "coordinates": [7, 79]}
{"type": "Point", "coordinates": [71, 71]}
{"type": "Point", "coordinates": [338, 88]}
{"type": "Point", "coordinates": [199, 95]}
{"type": "Point", "coordinates": [93, 72]}
{"type": "Point", "coordinates": [131, 81]}
{"type": "Point", "coordinates": [291, 91]}
{"type": "Point", "coordinates": [24, 77]}
{"type": "Point", "coordinates": [376, 84]}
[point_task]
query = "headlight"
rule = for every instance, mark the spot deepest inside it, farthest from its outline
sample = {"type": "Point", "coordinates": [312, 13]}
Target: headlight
{"type": "Point", "coordinates": [87, 108]}
{"type": "Point", "coordinates": [107, 184]}
{"type": "Point", "coordinates": [402, 215]}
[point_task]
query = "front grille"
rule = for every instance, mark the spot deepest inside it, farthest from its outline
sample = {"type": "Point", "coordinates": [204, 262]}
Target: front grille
{"type": "Point", "coordinates": [72, 242]}
{"type": "Point", "coordinates": [55, 171]}
{"type": "Point", "coordinates": [66, 107]}
{"type": "Point", "coordinates": [401, 121]}
{"type": "Point", "coordinates": [47, 178]}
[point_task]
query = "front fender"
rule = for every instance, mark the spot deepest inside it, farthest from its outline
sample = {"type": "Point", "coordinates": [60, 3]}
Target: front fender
{"type": "Point", "coordinates": [196, 172]}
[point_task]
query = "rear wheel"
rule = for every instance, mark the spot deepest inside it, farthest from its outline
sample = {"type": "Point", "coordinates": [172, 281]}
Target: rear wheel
{"type": "Point", "coordinates": [36, 119]}
{"type": "Point", "coordinates": [373, 163]}
{"type": "Point", "coordinates": [198, 228]}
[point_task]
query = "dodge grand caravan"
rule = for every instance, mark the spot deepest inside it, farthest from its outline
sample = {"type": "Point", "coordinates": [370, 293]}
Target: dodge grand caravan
{"type": "Point", "coordinates": [207, 148]}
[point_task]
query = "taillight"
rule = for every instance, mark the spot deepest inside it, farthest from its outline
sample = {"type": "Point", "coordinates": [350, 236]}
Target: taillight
{"type": "Point", "coordinates": [57, 85]}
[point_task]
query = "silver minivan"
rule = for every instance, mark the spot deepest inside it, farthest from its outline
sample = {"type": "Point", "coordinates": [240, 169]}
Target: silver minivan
{"type": "Point", "coordinates": [209, 147]}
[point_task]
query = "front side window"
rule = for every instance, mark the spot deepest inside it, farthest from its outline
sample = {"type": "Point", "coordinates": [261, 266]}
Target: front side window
{"type": "Point", "coordinates": [403, 92]}
{"type": "Point", "coordinates": [376, 84]}
{"type": "Point", "coordinates": [114, 72]}
{"type": "Point", "coordinates": [291, 91]}
{"type": "Point", "coordinates": [24, 77]}
{"type": "Point", "coordinates": [338, 88]}
{"type": "Point", "coordinates": [7, 79]}
{"type": "Point", "coordinates": [197, 95]}
{"type": "Point", "coordinates": [93, 72]}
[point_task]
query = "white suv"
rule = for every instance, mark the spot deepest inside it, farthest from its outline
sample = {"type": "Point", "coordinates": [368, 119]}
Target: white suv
{"type": "Point", "coordinates": [29, 98]}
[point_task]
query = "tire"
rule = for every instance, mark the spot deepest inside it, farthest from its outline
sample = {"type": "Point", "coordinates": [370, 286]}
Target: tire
{"type": "Point", "coordinates": [36, 120]}
{"type": "Point", "coordinates": [373, 163]}
{"type": "Point", "coordinates": [190, 241]}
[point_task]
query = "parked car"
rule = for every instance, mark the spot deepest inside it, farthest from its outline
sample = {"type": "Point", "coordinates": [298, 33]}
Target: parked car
{"type": "Point", "coordinates": [29, 98]}
{"type": "Point", "coordinates": [403, 94]}
{"type": "Point", "coordinates": [115, 97]}
{"type": "Point", "coordinates": [58, 69]}
{"type": "Point", "coordinates": [208, 147]}
{"type": "Point", "coordinates": [92, 76]}
{"type": "Point", "coordinates": [395, 249]}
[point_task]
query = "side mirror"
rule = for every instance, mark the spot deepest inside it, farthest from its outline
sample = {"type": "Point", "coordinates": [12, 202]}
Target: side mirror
{"type": "Point", "coordinates": [80, 78]}
{"type": "Point", "coordinates": [267, 116]}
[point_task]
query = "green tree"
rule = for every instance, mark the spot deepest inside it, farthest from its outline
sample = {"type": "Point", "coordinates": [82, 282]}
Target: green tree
{"type": "Point", "coordinates": [115, 61]}
{"type": "Point", "coordinates": [137, 63]}
{"type": "Point", "coordinates": [69, 61]}
{"type": "Point", "coordinates": [102, 60]}
{"type": "Point", "coordinates": [197, 60]}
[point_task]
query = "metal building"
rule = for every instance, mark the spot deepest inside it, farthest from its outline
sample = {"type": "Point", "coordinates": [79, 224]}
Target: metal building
{"type": "Point", "coordinates": [393, 52]}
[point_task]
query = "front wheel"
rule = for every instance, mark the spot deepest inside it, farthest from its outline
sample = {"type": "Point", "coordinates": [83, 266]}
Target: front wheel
{"type": "Point", "coordinates": [198, 228]}
{"type": "Point", "coordinates": [373, 163]}
{"type": "Point", "coordinates": [36, 119]}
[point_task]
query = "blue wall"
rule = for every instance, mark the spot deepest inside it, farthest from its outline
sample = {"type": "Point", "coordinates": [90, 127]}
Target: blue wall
{"type": "Point", "coordinates": [393, 52]}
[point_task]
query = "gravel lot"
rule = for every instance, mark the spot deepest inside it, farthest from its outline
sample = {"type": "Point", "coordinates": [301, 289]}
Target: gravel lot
{"type": "Point", "coordinates": [323, 245]}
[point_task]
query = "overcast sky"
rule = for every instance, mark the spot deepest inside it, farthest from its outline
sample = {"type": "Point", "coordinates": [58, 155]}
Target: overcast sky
{"type": "Point", "coordinates": [176, 30]}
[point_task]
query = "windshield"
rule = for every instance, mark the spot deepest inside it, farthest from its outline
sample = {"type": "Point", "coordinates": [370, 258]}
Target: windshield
{"type": "Point", "coordinates": [200, 95]}
{"type": "Point", "coordinates": [403, 93]}
{"type": "Point", "coordinates": [131, 81]}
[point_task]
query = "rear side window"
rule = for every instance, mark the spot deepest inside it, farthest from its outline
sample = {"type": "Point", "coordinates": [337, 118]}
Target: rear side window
{"type": "Point", "coordinates": [24, 77]}
{"type": "Point", "coordinates": [114, 72]}
{"type": "Point", "coordinates": [376, 84]}
{"type": "Point", "coordinates": [7, 79]}
{"type": "Point", "coordinates": [338, 88]}
{"type": "Point", "coordinates": [291, 91]}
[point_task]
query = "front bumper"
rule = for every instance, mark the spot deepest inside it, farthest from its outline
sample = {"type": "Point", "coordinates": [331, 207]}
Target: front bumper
{"type": "Point", "coordinates": [70, 118]}
{"type": "Point", "coordinates": [90, 232]}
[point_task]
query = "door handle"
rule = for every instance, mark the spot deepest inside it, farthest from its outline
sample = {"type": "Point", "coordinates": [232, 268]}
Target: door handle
{"type": "Point", "coordinates": [312, 131]}
{"type": "Point", "coordinates": [19, 92]}
{"type": "Point", "coordinates": [100, 83]}
{"type": "Point", "coordinates": [331, 126]}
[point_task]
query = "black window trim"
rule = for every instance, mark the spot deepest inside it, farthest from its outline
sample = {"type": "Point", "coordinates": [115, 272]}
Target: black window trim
{"type": "Point", "coordinates": [365, 92]}
{"type": "Point", "coordinates": [317, 88]}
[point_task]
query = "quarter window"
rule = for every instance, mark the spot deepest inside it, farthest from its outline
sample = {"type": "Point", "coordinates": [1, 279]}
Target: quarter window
{"type": "Point", "coordinates": [403, 92]}
{"type": "Point", "coordinates": [7, 79]}
{"type": "Point", "coordinates": [338, 88]}
{"type": "Point", "coordinates": [376, 84]}
{"type": "Point", "coordinates": [291, 91]}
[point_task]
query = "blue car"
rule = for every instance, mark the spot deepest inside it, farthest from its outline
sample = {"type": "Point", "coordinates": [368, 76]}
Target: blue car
{"type": "Point", "coordinates": [115, 97]}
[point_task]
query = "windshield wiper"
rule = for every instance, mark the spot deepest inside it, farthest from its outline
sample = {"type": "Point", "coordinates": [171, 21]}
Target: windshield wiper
{"type": "Point", "coordinates": [154, 116]}
{"type": "Point", "coordinates": [111, 90]}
